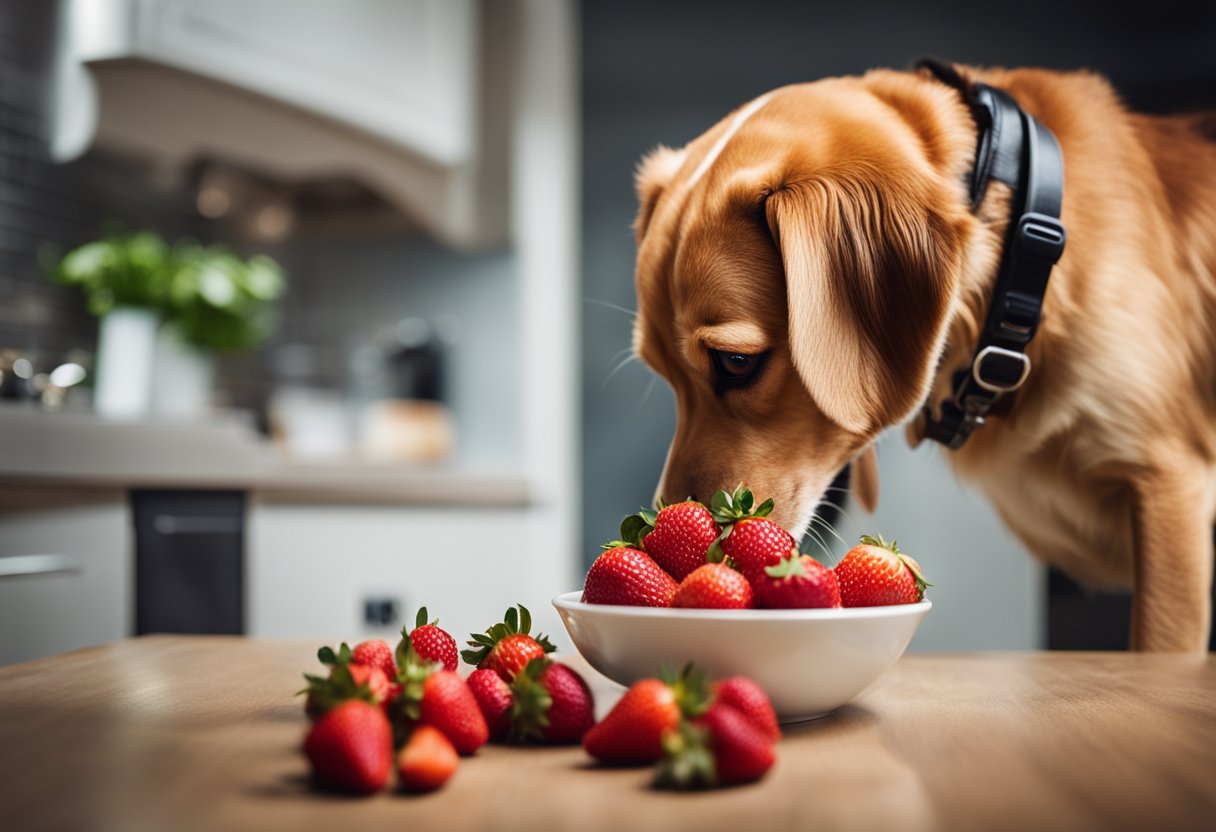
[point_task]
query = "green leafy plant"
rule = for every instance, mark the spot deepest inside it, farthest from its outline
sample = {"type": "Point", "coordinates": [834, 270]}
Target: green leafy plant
{"type": "Point", "coordinates": [210, 296]}
{"type": "Point", "coordinates": [130, 270]}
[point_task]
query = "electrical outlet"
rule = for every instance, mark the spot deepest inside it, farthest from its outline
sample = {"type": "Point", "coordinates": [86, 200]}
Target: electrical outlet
{"type": "Point", "coordinates": [381, 612]}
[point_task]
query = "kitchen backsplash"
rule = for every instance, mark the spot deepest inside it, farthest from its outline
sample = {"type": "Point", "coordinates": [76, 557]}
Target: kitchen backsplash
{"type": "Point", "coordinates": [46, 207]}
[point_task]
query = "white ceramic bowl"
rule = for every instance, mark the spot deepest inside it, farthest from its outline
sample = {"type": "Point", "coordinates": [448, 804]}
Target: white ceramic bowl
{"type": "Point", "coordinates": [809, 661]}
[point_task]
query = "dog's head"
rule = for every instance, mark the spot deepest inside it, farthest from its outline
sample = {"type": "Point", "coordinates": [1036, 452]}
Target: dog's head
{"type": "Point", "coordinates": [796, 268]}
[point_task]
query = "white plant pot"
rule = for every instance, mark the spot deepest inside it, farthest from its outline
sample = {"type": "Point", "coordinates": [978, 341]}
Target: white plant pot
{"type": "Point", "coordinates": [183, 377]}
{"type": "Point", "coordinates": [125, 347]}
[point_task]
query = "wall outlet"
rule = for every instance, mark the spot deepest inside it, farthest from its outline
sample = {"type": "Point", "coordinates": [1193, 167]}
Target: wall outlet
{"type": "Point", "coordinates": [382, 612]}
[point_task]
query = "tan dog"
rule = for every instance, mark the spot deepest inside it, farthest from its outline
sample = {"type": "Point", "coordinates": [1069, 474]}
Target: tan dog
{"type": "Point", "coordinates": [809, 272]}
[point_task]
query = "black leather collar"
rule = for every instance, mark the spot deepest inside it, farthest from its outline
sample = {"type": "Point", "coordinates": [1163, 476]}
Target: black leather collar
{"type": "Point", "coordinates": [1014, 149]}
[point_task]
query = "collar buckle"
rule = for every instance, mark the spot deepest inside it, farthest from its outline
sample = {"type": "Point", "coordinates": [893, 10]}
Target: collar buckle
{"type": "Point", "coordinates": [999, 370]}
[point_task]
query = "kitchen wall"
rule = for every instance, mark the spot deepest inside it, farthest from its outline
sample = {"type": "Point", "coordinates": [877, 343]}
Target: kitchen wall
{"type": "Point", "coordinates": [665, 72]}
{"type": "Point", "coordinates": [46, 207]}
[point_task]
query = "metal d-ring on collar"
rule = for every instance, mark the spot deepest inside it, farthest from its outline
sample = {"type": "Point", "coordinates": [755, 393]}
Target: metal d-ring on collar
{"type": "Point", "coordinates": [1013, 148]}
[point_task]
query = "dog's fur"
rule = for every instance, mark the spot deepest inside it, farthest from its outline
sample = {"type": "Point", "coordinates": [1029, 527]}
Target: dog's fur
{"type": "Point", "coordinates": [827, 226]}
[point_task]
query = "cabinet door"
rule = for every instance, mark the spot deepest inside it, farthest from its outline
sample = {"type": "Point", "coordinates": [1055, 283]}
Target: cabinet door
{"type": "Point", "coordinates": [404, 70]}
{"type": "Point", "coordinates": [65, 579]}
{"type": "Point", "coordinates": [313, 568]}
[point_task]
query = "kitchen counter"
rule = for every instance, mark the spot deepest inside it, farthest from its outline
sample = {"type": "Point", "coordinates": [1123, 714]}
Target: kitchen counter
{"type": "Point", "coordinates": [170, 732]}
{"type": "Point", "coordinates": [81, 451]}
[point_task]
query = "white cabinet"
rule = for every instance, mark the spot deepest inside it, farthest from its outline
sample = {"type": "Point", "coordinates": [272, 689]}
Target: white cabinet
{"type": "Point", "coordinates": [311, 567]}
{"type": "Point", "coordinates": [404, 70]}
{"type": "Point", "coordinates": [410, 97]}
{"type": "Point", "coordinates": [65, 572]}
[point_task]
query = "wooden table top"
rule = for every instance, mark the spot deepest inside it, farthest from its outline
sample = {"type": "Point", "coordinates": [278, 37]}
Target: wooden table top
{"type": "Point", "coordinates": [178, 733]}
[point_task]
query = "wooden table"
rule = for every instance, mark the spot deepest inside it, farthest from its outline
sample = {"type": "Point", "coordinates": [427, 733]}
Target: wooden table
{"type": "Point", "coordinates": [203, 733]}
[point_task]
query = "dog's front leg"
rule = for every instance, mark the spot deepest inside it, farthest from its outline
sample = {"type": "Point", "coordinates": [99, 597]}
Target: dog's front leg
{"type": "Point", "coordinates": [1171, 609]}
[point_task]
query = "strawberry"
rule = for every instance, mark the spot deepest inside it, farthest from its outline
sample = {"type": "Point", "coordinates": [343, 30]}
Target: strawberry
{"type": "Point", "coordinates": [448, 704]}
{"type": "Point", "coordinates": [345, 681]}
{"type": "Point", "coordinates": [720, 748]}
{"type": "Point", "coordinates": [876, 574]}
{"type": "Point", "coordinates": [375, 680]}
{"type": "Point", "coordinates": [749, 699]}
{"type": "Point", "coordinates": [507, 647]}
{"type": "Point", "coordinates": [427, 760]}
{"type": "Point", "coordinates": [677, 536]}
{"type": "Point", "coordinates": [430, 641]}
{"type": "Point", "coordinates": [797, 582]}
{"type": "Point", "coordinates": [494, 697]}
{"type": "Point", "coordinates": [351, 747]}
{"type": "Point", "coordinates": [749, 538]}
{"type": "Point", "coordinates": [633, 730]}
{"type": "Point", "coordinates": [629, 577]}
{"type": "Point", "coordinates": [431, 696]}
{"type": "Point", "coordinates": [375, 653]}
{"type": "Point", "coordinates": [714, 586]}
{"type": "Point", "coordinates": [552, 703]}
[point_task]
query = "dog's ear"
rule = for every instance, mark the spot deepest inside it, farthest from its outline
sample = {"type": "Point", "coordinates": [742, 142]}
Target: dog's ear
{"type": "Point", "coordinates": [870, 275]}
{"type": "Point", "coordinates": [654, 174]}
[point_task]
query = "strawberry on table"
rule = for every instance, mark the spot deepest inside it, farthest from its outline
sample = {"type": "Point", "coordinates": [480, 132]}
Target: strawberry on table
{"type": "Point", "coordinates": [749, 699]}
{"type": "Point", "coordinates": [749, 538]}
{"type": "Point", "coordinates": [552, 703]}
{"type": "Point", "coordinates": [427, 761]}
{"type": "Point", "coordinates": [494, 697]}
{"type": "Point", "coordinates": [797, 582]}
{"type": "Point", "coordinates": [714, 586]}
{"type": "Point", "coordinates": [351, 747]}
{"type": "Point", "coordinates": [677, 536]}
{"type": "Point", "coordinates": [627, 576]}
{"type": "Point", "coordinates": [508, 646]}
{"type": "Point", "coordinates": [720, 748]}
{"type": "Point", "coordinates": [632, 732]}
{"type": "Point", "coordinates": [429, 641]}
{"type": "Point", "coordinates": [345, 681]}
{"type": "Point", "coordinates": [375, 653]}
{"type": "Point", "coordinates": [876, 573]}
{"type": "Point", "coordinates": [432, 696]}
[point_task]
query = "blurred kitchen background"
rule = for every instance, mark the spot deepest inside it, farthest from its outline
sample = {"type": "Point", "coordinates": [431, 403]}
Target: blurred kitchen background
{"type": "Point", "coordinates": [361, 275]}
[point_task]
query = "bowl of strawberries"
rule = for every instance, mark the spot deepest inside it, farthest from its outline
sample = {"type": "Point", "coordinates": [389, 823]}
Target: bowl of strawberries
{"type": "Point", "coordinates": [725, 587]}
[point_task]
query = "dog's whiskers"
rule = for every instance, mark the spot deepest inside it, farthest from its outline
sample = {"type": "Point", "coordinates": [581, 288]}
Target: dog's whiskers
{"type": "Point", "coordinates": [624, 363]}
{"type": "Point", "coordinates": [630, 312]}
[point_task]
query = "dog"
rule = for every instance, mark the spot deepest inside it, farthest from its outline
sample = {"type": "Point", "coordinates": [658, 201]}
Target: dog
{"type": "Point", "coordinates": [811, 271]}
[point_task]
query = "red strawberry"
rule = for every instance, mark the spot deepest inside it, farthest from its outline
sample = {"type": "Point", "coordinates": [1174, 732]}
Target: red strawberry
{"type": "Point", "coordinates": [494, 697]}
{"type": "Point", "coordinates": [351, 747]}
{"type": "Point", "coordinates": [876, 574]}
{"type": "Point", "coordinates": [749, 699]}
{"type": "Point", "coordinates": [676, 536]}
{"type": "Point", "coordinates": [797, 582]}
{"type": "Point", "coordinates": [626, 576]}
{"type": "Point", "coordinates": [430, 642]}
{"type": "Point", "coordinates": [427, 761]}
{"type": "Point", "coordinates": [448, 704]}
{"type": "Point", "coordinates": [749, 538]}
{"type": "Point", "coordinates": [714, 586]}
{"type": "Point", "coordinates": [632, 732]}
{"type": "Point", "coordinates": [720, 748]}
{"type": "Point", "coordinates": [375, 680]}
{"type": "Point", "coordinates": [376, 653]}
{"type": "Point", "coordinates": [344, 682]}
{"type": "Point", "coordinates": [440, 698]}
{"type": "Point", "coordinates": [552, 703]}
{"type": "Point", "coordinates": [507, 647]}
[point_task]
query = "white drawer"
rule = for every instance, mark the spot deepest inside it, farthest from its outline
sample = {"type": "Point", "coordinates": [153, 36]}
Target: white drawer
{"type": "Point", "coordinates": [64, 575]}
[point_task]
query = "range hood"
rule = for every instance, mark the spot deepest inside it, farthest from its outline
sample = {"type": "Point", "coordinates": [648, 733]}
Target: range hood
{"type": "Point", "coordinates": [409, 98]}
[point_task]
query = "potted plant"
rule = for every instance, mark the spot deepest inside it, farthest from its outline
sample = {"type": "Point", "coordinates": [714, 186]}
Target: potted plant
{"type": "Point", "coordinates": [126, 281]}
{"type": "Point", "coordinates": [179, 304]}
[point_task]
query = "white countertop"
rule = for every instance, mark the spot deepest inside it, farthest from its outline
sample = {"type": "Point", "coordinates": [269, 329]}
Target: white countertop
{"type": "Point", "coordinates": [83, 450]}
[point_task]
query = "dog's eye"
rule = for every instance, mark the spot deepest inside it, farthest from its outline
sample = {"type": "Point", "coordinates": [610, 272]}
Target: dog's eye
{"type": "Point", "coordinates": [734, 367]}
